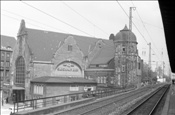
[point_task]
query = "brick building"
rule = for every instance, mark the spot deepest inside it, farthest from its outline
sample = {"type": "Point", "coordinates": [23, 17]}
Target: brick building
{"type": "Point", "coordinates": [6, 50]}
{"type": "Point", "coordinates": [41, 53]}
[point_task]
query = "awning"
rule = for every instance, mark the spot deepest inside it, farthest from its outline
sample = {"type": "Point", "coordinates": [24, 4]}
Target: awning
{"type": "Point", "coordinates": [17, 88]}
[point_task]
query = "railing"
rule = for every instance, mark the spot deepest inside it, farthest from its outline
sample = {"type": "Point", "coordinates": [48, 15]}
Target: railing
{"type": "Point", "coordinates": [60, 99]}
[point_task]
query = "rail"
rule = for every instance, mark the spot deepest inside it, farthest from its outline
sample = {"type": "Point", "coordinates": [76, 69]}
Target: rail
{"type": "Point", "coordinates": [102, 106]}
{"type": "Point", "coordinates": [152, 106]}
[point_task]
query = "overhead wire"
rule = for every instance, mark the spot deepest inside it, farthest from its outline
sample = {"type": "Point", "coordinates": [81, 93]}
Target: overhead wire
{"type": "Point", "coordinates": [133, 23]}
{"type": "Point", "coordinates": [33, 20]}
{"type": "Point", "coordinates": [84, 18]}
{"type": "Point", "coordinates": [20, 20]}
{"type": "Point", "coordinates": [55, 18]}
{"type": "Point", "coordinates": [145, 27]}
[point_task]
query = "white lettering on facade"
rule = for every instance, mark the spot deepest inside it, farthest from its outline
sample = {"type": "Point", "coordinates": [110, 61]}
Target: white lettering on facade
{"type": "Point", "coordinates": [68, 69]}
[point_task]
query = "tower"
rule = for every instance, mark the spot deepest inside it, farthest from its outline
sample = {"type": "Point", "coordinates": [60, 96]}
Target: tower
{"type": "Point", "coordinates": [125, 57]}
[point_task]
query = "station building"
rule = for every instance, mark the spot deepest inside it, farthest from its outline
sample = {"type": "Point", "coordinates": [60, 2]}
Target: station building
{"type": "Point", "coordinates": [44, 61]}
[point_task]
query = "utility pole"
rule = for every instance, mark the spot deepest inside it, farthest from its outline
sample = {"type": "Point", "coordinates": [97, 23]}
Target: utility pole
{"type": "Point", "coordinates": [163, 69]}
{"type": "Point", "coordinates": [128, 62]}
{"type": "Point", "coordinates": [162, 65]}
{"type": "Point", "coordinates": [130, 17]}
{"type": "Point", "coordinates": [149, 62]}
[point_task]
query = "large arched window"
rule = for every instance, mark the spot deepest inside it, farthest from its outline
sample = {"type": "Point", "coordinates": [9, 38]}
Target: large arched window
{"type": "Point", "coordinates": [20, 70]}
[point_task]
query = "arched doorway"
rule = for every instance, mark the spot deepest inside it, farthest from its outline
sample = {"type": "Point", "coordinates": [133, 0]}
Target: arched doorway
{"type": "Point", "coordinates": [19, 89]}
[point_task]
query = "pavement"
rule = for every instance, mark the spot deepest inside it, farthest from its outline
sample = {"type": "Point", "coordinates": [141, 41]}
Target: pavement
{"type": "Point", "coordinates": [5, 109]}
{"type": "Point", "coordinates": [171, 110]}
{"type": "Point", "coordinates": [169, 107]}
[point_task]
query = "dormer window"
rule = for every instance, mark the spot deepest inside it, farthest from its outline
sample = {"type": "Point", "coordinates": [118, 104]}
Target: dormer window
{"type": "Point", "coordinates": [69, 47]}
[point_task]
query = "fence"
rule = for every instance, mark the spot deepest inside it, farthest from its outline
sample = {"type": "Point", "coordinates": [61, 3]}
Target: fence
{"type": "Point", "coordinates": [54, 100]}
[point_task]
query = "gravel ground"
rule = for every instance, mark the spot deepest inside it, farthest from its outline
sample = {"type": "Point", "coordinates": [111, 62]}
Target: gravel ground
{"type": "Point", "coordinates": [121, 109]}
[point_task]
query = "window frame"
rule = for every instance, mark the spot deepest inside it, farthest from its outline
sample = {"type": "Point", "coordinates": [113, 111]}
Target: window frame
{"type": "Point", "coordinates": [123, 68]}
{"type": "Point", "coordinates": [70, 47]}
{"type": "Point", "coordinates": [74, 88]}
{"type": "Point", "coordinates": [20, 70]}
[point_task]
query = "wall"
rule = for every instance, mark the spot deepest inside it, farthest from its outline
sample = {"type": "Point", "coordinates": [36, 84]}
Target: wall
{"type": "Point", "coordinates": [63, 54]}
{"type": "Point", "coordinates": [61, 89]}
{"type": "Point", "coordinates": [41, 69]}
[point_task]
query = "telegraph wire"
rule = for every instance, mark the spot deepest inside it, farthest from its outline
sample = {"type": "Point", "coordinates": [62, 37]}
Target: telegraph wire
{"type": "Point", "coordinates": [145, 28]}
{"type": "Point", "coordinates": [160, 28]}
{"type": "Point", "coordinates": [109, 46]}
{"type": "Point", "coordinates": [133, 24]}
{"type": "Point", "coordinates": [20, 20]}
{"type": "Point", "coordinates": [33, 20]}
{"type": "Point", "coordinates": [85, 18]}
{"type": "Point", "coordinates": [55, 18]}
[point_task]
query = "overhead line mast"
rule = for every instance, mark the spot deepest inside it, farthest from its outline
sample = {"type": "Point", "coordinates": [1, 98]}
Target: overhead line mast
{"type": "Point", "coordinates": [130, 17]}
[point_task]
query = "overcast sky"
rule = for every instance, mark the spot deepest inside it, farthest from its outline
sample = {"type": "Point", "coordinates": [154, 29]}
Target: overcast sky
{"type": "Point", "coordinates": [90, 18]}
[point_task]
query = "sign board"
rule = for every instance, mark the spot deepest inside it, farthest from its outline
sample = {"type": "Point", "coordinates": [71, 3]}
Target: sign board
{"type": "Point", "coordinates": [68, 69]}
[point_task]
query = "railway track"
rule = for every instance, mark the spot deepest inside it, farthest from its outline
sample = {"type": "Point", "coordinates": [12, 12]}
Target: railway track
{"type": "Point", "coordinates": [103, 106]}
{"type": "Point", "coordinates": [150, 105]}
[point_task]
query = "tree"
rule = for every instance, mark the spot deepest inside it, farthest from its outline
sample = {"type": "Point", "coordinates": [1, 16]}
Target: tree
{"type": "Point", "coordinates": [154, 76]}
{"type": "Point", "coordinates": [144, 73]}
{"type": "Point", "coordinates": [148, 75]}
{"type": "Point", "coordinates": [159, 71]}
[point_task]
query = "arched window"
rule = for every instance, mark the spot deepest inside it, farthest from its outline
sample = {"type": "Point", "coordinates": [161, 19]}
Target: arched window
{"type": "Point", "coordinates": [20, 70]}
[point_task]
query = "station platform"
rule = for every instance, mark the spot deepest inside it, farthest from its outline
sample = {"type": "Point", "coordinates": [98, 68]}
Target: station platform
{"type": "Point", "coordinates": [169, 107]}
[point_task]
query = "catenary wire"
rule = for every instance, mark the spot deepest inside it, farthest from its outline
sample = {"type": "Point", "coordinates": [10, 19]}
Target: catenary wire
{"type": "Point", "coordinates": [55, 18]}
{"type": "Point", "coordinates": [134, 24]}
{"type": "Point", "coordinates": [145, 27]}
{"type": "Point", "coordinates": [34, 20]}
{"type": "Point", "coordinates": [85, 18]}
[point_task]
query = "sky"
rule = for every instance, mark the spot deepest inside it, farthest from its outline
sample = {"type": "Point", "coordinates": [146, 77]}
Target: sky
{"type": "Point", "coordinates": [91, 18]}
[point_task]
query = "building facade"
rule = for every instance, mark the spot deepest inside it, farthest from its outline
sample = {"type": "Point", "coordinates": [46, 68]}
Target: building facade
{"type": "Point", "coordinates": [6, 50]}
{"type": "Point", "coordinates": [41, 53]}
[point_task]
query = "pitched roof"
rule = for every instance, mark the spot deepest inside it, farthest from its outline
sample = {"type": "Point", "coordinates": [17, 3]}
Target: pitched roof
{"type": "Point", "coordinates": [7, 41]}
{"type": "Point", "coordinates": [46, 42]}
{"type": "Point", "coordinates": [56, 79]}
{"type": "Point", "coordinates": [105, 55]}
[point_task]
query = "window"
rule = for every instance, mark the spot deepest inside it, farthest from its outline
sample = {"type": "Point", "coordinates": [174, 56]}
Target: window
{"type": "Point", "coordinates": [101, 80]}
{"type": "Point", "coordinates": [7, 64]}
{"type": "Point", "coordinates": [74, 88]}
{"type": "Point", "coordinates": [98, 79]}
{"type": "Point", "coordinates": [2, 73]}
{"type": "Point", "coordinates": [2, 54]}
{"type": "Point", "coordinates": [7, 55]}
{"type": "Point", "coordinates": [20, 70]}
{"type": "Point", "coordinates": [2, 63]}
{"type": "Point", "coordinates": [123, 49]}
{"type": "Point", "coordinates": [38, 89]}
{"type": "Point", "coordinates": [104, 79]}
{"type": "Point", "coordinates": [139, 65]}
{"type": "Point", "coordinates": [7, 73]}
{"type": "Point", "coordinates": [112, 80]}
{"type": "Point", "coordinates": [123, 68]}
{"type": "Point", "coordinates": [69, 47]}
